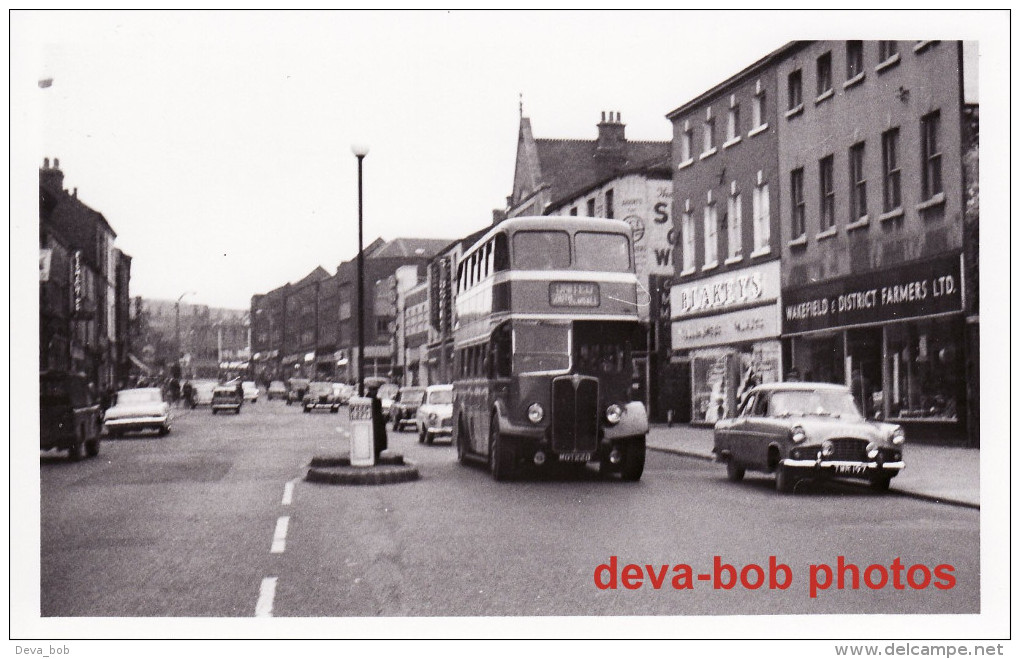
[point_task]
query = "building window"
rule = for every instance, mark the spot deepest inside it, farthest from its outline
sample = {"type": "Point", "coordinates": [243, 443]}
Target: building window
{"type": "Point", "coordinates": [687, 236]}
{"type": "Point", "coordinates": [591, 207]}
{"type": "Point", "coordinates": [609, 204]}
{"type": "Point", "coordinates": [760, 203]}
{"type": "Point", "coordinates": [824, 73]}
{"type": "Point", "coordinates": [827, 193]}
{"type": "Point", "coordinates": [735, 224]}
{"type": "Point", "coordinates": [797, 203]}
{"type": "Point", "coordinates": [891, 169]}
{"type": "Point", "coordinates": [854, 59]}
{"type": "Point", "coordinates": [758, 107]}
{"type": "Point", "coordinates": [709, 135]}
{"type": "Point", "coordinates": [733, 123]}
{"type": "Point", "coordinates": [858, 183]}
{"type": "Point", "coordinates": [794, 92]}
{"type": "Point", "coordinates": [711, 236]}
{"type": "Point", "coordinates": [887, 50]}
{"type": "Point", "coordinates": [687, 145]}
{"type": "Point", "coordinates": [931, 156]}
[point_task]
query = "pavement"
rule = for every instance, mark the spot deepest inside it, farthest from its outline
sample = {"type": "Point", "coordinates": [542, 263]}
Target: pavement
{"type": "Point", "coordinates": [944, 474]}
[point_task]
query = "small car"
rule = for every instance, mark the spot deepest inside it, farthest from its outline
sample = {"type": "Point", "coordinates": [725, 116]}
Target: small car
{"type": "Point", "coordinates": [434, 416]}
{"type": "Point", "coordinates": [138, 409]}
{"type": "Point", "coordinates": [69, 414]}
{"type": "Point", "coordinates": [202, 393]}
{"type": "Point", "coordinates": [296, 389]}
{"type": "Point", "coordinates": [250, 392]}
{"type": "Point", "coordinates": [320, 396]}
{"type": "Point", "coordinates": [807, 430]}
{"type": "Point", "coordinates": [277, 389]}
{"type": "Point", "coordinates": [405, 406]}
{"type": "Point", "coordinates": [227, 398]}
{"type": "Point", "coordinates": [386, 394]}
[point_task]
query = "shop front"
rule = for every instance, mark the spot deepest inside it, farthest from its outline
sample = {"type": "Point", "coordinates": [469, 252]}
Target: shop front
{"type": "Point", "coordinates": [725, 329]}
{"type": "Point", "coordinates": [894, 336]}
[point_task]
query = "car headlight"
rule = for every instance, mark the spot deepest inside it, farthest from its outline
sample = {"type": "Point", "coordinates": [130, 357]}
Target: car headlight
{"type": "Point", "coordinates": [433, 417]}
{"type": "Point", "coordinates": [797, 435]}
{"type": "Point", "coordinates": [872, 450]}
{"type": "Point", "coordinates": [828, 448]}
{"type": "Point", "coordinates": [613, 414]}
{"type": "Point", "coordinates": [535, 413]}
{"type": "Point", "coordinates": [898, 436]}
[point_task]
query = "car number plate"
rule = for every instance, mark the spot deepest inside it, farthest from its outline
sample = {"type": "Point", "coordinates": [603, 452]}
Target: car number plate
{"type": "Point", "coordinates": [575, 457]}
{"type": "Point", "coordinates": [850, 469]}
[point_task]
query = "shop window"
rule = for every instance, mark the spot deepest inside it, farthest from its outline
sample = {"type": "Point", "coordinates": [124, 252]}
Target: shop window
{"type": "Point", "coordinates": [925, 364]}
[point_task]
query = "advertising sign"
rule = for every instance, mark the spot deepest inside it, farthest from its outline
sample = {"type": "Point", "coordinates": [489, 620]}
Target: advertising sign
{"type": "Point", "coordinates": [726, 291]}
{"type": "Point", "coordinates": [908, 291]}
{"type": "Point", "coordinates": [723, 329]}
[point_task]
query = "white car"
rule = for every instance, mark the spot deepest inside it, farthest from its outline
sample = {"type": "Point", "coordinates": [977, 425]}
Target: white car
{"type": "Point", "coordinates": [386, 394]}
{"type": "Point", "coordinates": [201, 393]}
{"type": "Point", "coordinates": [251, 392]}
{"type": "Point", "coordinates": [138, 409]}
{"type": "Point", "coordinates": [434, 417]}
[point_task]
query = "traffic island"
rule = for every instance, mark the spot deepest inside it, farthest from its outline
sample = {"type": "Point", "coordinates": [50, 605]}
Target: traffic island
{"type": "Point", "coordinates": [337, 470]}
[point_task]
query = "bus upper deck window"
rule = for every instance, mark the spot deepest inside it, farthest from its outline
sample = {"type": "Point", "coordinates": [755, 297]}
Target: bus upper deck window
{"type": "Point", "coordinates": [602, 252]}
{"type": "Point", "coordinates": [541, 250]}
{"type": "Point", "coordinates": [500, 253]}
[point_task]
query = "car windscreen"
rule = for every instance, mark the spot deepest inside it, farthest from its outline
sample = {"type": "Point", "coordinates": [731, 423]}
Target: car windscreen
{"type": "Point", "coordinates": [412, 397]}
{"type": "Point", "coordinates": [136, 396]}
{"type": "Point", "coordinates": [320, 388]}
{"type": "Point", "coordinates": [814, 403]}
{"type": "Point", "coordinates": [442, 397]}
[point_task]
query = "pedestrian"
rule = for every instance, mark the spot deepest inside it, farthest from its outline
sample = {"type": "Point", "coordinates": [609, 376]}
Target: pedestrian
{"type": "Point", "coordinates": [189, 394]}
{"type": "Point", "coordinates": [379, 442]}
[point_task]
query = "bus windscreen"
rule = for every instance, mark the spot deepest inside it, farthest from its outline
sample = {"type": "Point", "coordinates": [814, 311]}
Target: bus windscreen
{"type": "Point", "coordinates": [541, 250]}
{"type": "Point", "coordinates": [541, 347]}
{"type": "Point", "coordinates": [601, 252]}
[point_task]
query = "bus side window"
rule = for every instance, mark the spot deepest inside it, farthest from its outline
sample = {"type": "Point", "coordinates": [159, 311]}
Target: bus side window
{"type": "Point", "coordinates": [502, 352]}
{"type": "Point", "coordinates": [500, 253]}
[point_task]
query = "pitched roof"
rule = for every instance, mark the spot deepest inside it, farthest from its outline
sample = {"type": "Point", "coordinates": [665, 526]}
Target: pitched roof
{"type": "Point", "coordinates": [315, 275]}
{"type": "Point", "coordinates": [409, 247]}
{"type": "Point", "coordinates": [570, 167]}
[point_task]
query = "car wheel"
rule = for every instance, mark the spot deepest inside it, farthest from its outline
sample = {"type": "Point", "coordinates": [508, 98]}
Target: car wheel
{"type": "Point", "coordinates": [734, 472]}
{"type": "Point", "coordinates": [880, 483]}
{"type": "Point", "coordinates": [76, 452]}
{"type": "Point", "coordinates": [164, 431]}
{"type": "Point", "coordinates": [429, 438]}
{"type": "Point", "coordinates": [500, 456]}
{"type": "Point", "coordinates": [421, 434]}
{"type": "Point", "coordinates": [92, 447]}
{"type": "Point", "coordinates": [334, 410]}
{"type": "Point", "coordinates": [307, 410]}
{"type": "Point", "coordinates": [785, 481]}
{"type": "Point", "coordinates": [633, 463]}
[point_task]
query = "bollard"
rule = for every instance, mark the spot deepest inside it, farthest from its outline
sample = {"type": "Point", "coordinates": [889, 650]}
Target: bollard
{"type": "Point", "coordinates": [362, 446]}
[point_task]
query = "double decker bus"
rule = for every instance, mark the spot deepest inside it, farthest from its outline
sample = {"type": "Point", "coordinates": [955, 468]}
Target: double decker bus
{"type": "Point", "coordinates": [546, 322]}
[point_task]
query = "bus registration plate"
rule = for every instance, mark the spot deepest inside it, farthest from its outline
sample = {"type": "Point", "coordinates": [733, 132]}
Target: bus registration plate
{"type": "Point", "coordinates": [579, 456]}
{"type": "Point", "coordinates": [573, 294]}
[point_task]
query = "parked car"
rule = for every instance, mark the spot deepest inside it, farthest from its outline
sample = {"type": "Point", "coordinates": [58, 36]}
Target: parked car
{"type": "Point", "coordinates": [250, 392]}
{"type": "Point", "coordinates": [226, 398]}
{"type": "Point", "coordinates": [202, 393]}
{"type": "Point", "coordinates": [138, 409]}
{"type": "Point", "coordinates": [386, 394]}
{"type": "Point", "coordinates": [405, 406]}
{"type": "Point", "coordinates": [320, 396]}
{"type": "Point", "coordinates": [277, 389]}
{"type": "Point", "coordinates": [70, 416]}
{"type": "Point", "coordinates": [296, 389]}
{"type": "Point", "coordinates": [433, 418]}
{"type": "Point", "coordinates": [807, 430]}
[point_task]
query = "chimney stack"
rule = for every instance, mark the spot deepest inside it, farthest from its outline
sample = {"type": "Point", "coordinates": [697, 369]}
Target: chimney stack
{"type": "Point", "coordinates": [611, 140]}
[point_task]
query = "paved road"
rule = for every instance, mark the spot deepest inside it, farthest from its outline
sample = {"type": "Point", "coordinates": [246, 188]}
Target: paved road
{"type": "Point", "coordinates": [185, 525]}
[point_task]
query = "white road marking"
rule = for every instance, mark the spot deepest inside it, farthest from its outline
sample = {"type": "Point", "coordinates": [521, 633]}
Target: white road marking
{"type": "Point", "coordinates": [288, 493]}
{"type": "Point", "coordinates": [280, 536]}
{"type": "Point", "coordinates": [267, 592]}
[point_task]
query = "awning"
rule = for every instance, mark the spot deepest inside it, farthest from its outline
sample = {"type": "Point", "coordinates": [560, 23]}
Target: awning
{"type": "Point", "coordinates": [140, 364]}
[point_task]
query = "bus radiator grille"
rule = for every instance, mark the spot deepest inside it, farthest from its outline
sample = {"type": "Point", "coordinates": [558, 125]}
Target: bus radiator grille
{"type": "Point", "coordinates": [575, 414]}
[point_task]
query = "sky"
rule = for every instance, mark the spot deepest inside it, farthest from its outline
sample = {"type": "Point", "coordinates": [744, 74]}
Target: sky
{"type": "Point", "coordinates": [218, 144]}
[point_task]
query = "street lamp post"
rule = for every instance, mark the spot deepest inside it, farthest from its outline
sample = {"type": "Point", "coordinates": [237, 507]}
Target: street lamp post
{"type": "Point", "coordinates": [177, 325]}
{"type": "Point", "coordinates": [360, 151]}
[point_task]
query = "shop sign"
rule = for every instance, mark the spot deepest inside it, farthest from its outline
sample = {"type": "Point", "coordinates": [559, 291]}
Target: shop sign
{"type": "Point", "coordinates": [748, 286]}
{"type": "Point", "coordinates": [77, 283]}
{"type": "Point", "coordinates": [910, 291]}
{"type": "Point", "coordinates": [728, 328]}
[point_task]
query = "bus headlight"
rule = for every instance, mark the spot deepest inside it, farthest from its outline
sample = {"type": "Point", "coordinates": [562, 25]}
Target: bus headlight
{"type": "Point", "coordinates": [613, 414]}
{"type": "Point", "coordinates": [535, 413]}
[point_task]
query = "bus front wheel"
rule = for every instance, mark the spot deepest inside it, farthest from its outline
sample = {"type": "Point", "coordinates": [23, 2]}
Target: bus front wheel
{"type": "Point", "coordinates": [500, 456]}
{"type": "Point", "coordinates": [633, 463]}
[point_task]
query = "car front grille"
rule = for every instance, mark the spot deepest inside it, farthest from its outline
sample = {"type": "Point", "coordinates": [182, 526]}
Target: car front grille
{"type": "Point", "coordinates": [575, 418]}
{"type": "Point", "coordinates": [845, 448]}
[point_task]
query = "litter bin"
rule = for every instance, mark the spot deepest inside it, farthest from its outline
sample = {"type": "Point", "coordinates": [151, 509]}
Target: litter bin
{"type": "Point", "coordinates": [362, 445]}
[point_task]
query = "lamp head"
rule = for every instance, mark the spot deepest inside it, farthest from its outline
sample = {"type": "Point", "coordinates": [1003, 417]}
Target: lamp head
{"type": "Point", "coordinates": [359, 149]}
